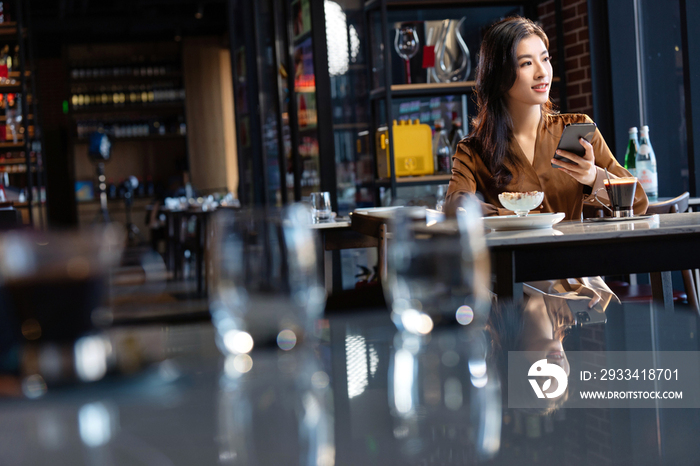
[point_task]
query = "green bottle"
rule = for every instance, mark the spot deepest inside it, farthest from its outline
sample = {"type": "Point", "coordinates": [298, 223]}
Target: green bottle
{"type": "Point", "coordinates": [632, 149]}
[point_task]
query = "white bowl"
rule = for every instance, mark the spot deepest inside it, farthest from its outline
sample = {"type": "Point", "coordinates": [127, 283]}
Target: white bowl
{"type": "Point", "coordinates": [521, 203]}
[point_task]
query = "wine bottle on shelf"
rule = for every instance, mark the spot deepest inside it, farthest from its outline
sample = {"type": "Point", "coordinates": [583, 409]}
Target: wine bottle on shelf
{"type": "Point", "coordinates": [646, 166]}
{"type": "Point", "coordinates": [456, 133]}
{"type": "Point", "coordinates": [632, 149]}
{"type": "Point", "coordinates": [442, 152]}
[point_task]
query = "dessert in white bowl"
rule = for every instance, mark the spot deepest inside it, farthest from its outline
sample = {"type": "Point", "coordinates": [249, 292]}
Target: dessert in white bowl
{"type": "Point", "coordinates": [521, 203]}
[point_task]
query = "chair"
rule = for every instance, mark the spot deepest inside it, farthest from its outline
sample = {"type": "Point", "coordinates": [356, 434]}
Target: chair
{"type": "Point", "coordinates": [642, 293]}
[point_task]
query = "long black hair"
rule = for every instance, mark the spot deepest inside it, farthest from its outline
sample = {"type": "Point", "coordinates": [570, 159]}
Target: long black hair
{"type": "Point", "coordinates": [496, 72]}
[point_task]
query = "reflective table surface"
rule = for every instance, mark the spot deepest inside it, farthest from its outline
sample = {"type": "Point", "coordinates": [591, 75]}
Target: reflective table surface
{"type": "Point", "coordinates": [363, 394]}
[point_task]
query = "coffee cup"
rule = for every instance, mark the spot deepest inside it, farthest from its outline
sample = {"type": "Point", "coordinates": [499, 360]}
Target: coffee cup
{"type": "Point", "coordinates": [621, 194]}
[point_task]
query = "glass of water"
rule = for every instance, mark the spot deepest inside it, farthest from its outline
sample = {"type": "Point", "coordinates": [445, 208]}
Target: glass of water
{"type": "Point", "coordinates": [321, 205]}
{"type": "Point", "coordinates": [438, 272]}
{"type": "Point", "coordinates": [267, 285]}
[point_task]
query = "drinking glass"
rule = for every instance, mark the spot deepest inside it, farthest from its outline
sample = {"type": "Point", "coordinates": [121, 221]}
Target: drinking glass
{"type": "Point", "coordinates": [406, 44]}
{"type": "Point", "coordinates": [444, 398]}
{"type": "Point", "coordinates": [438, 272]}
{"type": "Point", "coordinates": [275, 408]}
{"type": "Point", "coordinates": [321, 205]}
{"type": "Point", "coordinates": [266, 282]}
{"type": "Point", "coordinates": [52, 282]}
{"type": "Point", "coordinates": [440, 197]}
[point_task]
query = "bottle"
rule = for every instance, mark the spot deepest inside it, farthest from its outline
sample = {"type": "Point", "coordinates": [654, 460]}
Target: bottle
{"type": "Point", "coordinates": [456, 134]}
{"type": "Point", "coordinates": [632, 149]}
{"type": "Point", "coordinates": [646, 166]}
{"type": "Point", "coordinates": [442, 152]}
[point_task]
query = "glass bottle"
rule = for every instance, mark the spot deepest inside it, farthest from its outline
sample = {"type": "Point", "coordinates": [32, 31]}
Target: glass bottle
{"type": "Point", "coordinates": [456, 134]}
{"type": "Point", "coordinates": [631, 154]}
{"type": "Point", "coordinates": [442, 152]}
{"type": "Point", "coordinates": [646, 166]}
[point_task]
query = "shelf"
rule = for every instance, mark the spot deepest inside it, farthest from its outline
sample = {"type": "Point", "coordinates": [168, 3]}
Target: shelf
{"type": "Point", "coordinates": [12, 146]}
{"type": "Point", "coordinates": [350, 126]}
{"type": "Point", "coordinates": [17, 161]}
{"type": "Point", "coordinates": [152, 137]}
{"type": "Point", "coordinates": [8, 29]}
{"type": "Point", "coordinates": [3, 118]}
{"type": "Point", "coordinates": [99, 111]}
{"type": "Point", "coordinates": [10, 88]}
{"type": "Point", "coordinates": [107, 80]}
{"type": "Point", "coordinates": [421, 90]}
{"type": "Point", "coordinates": [406, 181]}
{"type": "Point", "coordinates": [25, 204]}
{"type": "Point", "coordinates": [15, 74]}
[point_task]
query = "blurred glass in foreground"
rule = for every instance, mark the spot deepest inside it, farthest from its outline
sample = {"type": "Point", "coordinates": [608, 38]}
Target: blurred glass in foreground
{"type": "Point", "coordinates": [52, 282]}
{"type": "Point", "coordinates": [273, 409]}
{"type": "Point", "coordinates": [444, 398]}
{"type": "Point", "coordinates": [438, 272]}
{"type": "Point", "coordinates": [267, 289]}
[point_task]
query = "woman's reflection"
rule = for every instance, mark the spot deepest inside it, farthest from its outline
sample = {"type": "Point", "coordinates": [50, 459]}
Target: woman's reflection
{"type": "Point", "coordinates": [530, 333]}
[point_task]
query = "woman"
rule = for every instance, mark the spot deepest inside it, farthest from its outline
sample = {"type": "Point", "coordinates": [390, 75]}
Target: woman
{"type": "Point", "coordinates": [514, 138]}
{"type": "Point", "coordinates": [534, 334]}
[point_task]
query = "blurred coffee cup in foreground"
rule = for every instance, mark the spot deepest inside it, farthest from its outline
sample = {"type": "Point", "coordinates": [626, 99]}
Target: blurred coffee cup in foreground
{"type": "Point", "coordinates": [52, 282]}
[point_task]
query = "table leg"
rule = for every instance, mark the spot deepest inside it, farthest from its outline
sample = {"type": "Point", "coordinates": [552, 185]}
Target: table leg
{"type": "Point", "coordinates": [170, 243]}
{"type": "Point", "coordinates": [382, 252]}
{"type": "Point", "coordinates": [328, 271]}
{"type": "Point", "coordinates": [506, 287]}
{"type": "Point", "coordinates": [199, 241]}
{"type": "Point", "coordinates": [662, 289]}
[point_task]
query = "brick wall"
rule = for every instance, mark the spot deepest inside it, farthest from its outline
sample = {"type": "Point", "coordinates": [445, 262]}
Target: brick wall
{"type": "Point", "coordinates": [576, 53]}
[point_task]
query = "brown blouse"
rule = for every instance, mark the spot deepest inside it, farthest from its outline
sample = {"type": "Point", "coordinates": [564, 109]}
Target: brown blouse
{"type": "Point", "coordinates": [562, 193]}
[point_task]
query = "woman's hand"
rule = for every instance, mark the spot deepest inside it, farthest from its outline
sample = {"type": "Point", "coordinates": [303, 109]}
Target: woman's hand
{"type": "Point", "coordinates": [585, 172]}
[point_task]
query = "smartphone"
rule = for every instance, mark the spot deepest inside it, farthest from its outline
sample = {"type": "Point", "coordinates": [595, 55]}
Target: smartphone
{"type": "Point", "coordinates": [583, 315]}
{"type": "Point", "coordinates": [569, 140]}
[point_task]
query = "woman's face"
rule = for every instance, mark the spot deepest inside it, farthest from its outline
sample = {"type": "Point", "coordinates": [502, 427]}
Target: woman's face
{"type": "Point", "coordinates": [540, 337]}
{"type": "Point", "coordinates": [534, 73]}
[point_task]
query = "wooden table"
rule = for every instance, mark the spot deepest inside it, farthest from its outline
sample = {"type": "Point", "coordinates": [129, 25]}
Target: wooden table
{"type": "Point", "coordinates": [657, 245]}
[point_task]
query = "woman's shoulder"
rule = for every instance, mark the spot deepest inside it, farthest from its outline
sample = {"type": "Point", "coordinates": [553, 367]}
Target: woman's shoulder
{"type": "Point", "coordinates": [563, 119]}
{"type": "Point", "coordinates": [470, 144]}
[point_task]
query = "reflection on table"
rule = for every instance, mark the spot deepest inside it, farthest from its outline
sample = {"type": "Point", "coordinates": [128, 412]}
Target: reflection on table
{"type": "Point", "coordinates": [363, 394]}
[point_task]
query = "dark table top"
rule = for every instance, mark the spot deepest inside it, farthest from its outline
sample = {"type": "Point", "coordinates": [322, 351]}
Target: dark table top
{"type": "Point", "coordinates": [364, 394]}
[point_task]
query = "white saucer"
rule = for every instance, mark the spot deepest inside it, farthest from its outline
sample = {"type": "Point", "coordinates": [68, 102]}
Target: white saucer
{"type": "Point", "coordinates": [383, 212]}
{"type": "Point", "coordinates": [414, 212]}
{"type": "Point", "coordinates": [530, 222]}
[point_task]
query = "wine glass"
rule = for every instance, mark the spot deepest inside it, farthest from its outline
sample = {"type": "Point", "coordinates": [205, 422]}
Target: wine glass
{"type": "Point", "coordinates": [267, 285]}
{"type": "Point", "coordinates": [438, 273]}
{"type": "Point", "coordinates": [406, 44]}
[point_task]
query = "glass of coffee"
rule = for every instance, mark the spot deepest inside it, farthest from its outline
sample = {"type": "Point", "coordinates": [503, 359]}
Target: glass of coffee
{"type": "Point", "coordinates": [621, 194]}
{"type": "Point", "coordinates": [51, 282]}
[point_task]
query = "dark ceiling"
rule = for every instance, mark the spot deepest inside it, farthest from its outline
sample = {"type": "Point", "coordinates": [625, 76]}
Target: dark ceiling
{"type": "Point", "coordinates": [58, 22]}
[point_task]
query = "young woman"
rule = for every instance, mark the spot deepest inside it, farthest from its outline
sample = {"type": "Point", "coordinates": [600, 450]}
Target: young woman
{"type": "Point", "coordinates": [516, 131]}
{"type": "Point", "coordinates": [514, 138]}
